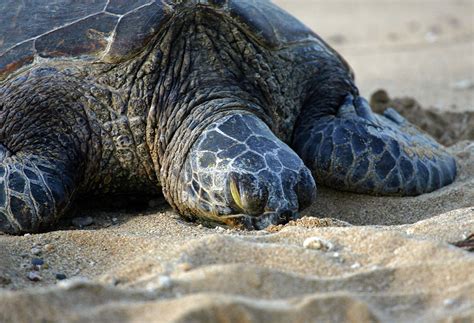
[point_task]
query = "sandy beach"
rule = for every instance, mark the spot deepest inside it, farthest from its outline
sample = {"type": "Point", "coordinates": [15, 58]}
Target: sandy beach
{"type": "Point", "coordinates": [351, 258]}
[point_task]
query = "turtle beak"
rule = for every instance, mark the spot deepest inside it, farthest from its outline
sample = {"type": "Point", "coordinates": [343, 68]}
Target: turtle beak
{"type": "Point", "coordinates": [247, 197]}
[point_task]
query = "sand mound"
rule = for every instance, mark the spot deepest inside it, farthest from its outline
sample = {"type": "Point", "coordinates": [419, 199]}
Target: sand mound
{"type": "Point", "coordinates": [396, 273]}
{"type": "Point", "coordinates": [363, 259]}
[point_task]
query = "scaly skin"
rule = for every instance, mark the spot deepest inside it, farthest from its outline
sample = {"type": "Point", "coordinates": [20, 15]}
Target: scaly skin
{"type": "Point", "coordinates": [44, 159]}
{"type": "Point", "coordinates": [372, 154]}
{"type": "Point", "coordinates": [238, 165]}
{"type": "Point", "coordinates": [207, 112]}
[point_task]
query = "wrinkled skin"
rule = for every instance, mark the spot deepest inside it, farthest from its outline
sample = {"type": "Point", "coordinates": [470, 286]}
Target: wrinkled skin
{"type": "Point", "coordinates": [233, 131]}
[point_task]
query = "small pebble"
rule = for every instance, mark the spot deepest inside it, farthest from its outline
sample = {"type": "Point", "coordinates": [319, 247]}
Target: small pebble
{"type": "Point", "coordinates": [60, 276]}
{"type": "Point", "coordinates": [355, 265]}
{"type": "Point", "coordinates": [82, 222]}
{"type": "Point", "coordinates": [73, 283]}
{"type": "Point", "coordinates": [36, 251]}
{"type": "Point", "coordinates": [37, 262]}
{"type": "Point", "coordinates": [48, 247]}
{"type": "Point", "coordinates": [431, 37]}
{"type": "Point", "coordinates": [318, 244]}
{"type": "Point", "coordinates": [185, 266]}
{"type": "Point", "coordinates": [449, 302]}
{"type": "Point", "coordinates": [34, 276]}
{"type": "Point", "coordinates": [116, 281]}
{"type": "Point", "coordinates": [463, 85]}
{"type": "Point", "coordinates": [114, 220]}
{"type": "Point", "coordinates": [165, 281]}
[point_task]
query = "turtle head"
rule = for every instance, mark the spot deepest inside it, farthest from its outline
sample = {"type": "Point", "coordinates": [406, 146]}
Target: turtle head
{"type": "Point", "coordinates": [239, 173]}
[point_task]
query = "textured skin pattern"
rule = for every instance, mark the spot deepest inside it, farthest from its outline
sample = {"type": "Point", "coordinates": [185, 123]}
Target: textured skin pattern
{"type": "Point", "coordinates": [241, 173]}
{"type": "Point", "coordinates": [363, 152]}
{"type": "Point", "coordinates": [42, 159]}
{"type": "Point", "coordinates": [52, 148]}
{"type": "Point", "coordinates": [31, 194]}
{"type": "Point", "coordinates": [204, 98]}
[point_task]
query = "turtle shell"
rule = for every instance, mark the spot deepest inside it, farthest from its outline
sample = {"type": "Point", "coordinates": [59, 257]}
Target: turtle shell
{"type": "Point", "coordinates": [111, 30]}
{"type": "Point", "coordinates": [84, 29]}
{"type": "Point", "coordinates": [275, 27]}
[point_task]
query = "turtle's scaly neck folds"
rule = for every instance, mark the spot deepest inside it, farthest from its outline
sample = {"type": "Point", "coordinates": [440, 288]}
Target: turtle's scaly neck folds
{"type": "Point", "coordinates": [201, 57]}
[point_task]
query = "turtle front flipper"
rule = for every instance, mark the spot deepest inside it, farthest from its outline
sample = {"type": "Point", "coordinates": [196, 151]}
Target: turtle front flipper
{"type": "Point", "coordinates": [357, 150]}
{"type": "Point", "coordinates": [34, 193]}
{"type": "Point", "coordinates": [239, 173]}
{"type": "Point", "coordinates": [43, 148]}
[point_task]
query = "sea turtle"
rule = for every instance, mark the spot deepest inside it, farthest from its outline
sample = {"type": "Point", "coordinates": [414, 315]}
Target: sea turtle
{"type": "Point", "coordinates": [232, 107]}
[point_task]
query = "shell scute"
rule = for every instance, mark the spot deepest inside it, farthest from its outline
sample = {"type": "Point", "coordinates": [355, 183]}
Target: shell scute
{"type": "Point", "coordinates": [121, 7]}
{"type": "Point", "coordinates": [135, 30]}
{"type": "Point", "coordinates": [20, 56]}
{"type": "Point", "coordinates": [86, 37]}
{"type": "Point", "coordinates": [269, 23]}
{"type": "Point", "coordinates": [27, 19]}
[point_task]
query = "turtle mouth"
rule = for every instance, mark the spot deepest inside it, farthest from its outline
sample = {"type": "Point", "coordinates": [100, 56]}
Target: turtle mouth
{"type": "Point", "coordinates": [260, 222]}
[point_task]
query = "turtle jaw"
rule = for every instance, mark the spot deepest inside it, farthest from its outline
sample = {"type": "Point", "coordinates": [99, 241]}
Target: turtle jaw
{"type": "Point", "coordinates": [260, 222]}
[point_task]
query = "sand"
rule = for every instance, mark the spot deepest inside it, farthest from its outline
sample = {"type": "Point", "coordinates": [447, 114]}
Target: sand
{"type": "Point", "coordinates": [352, 258]}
